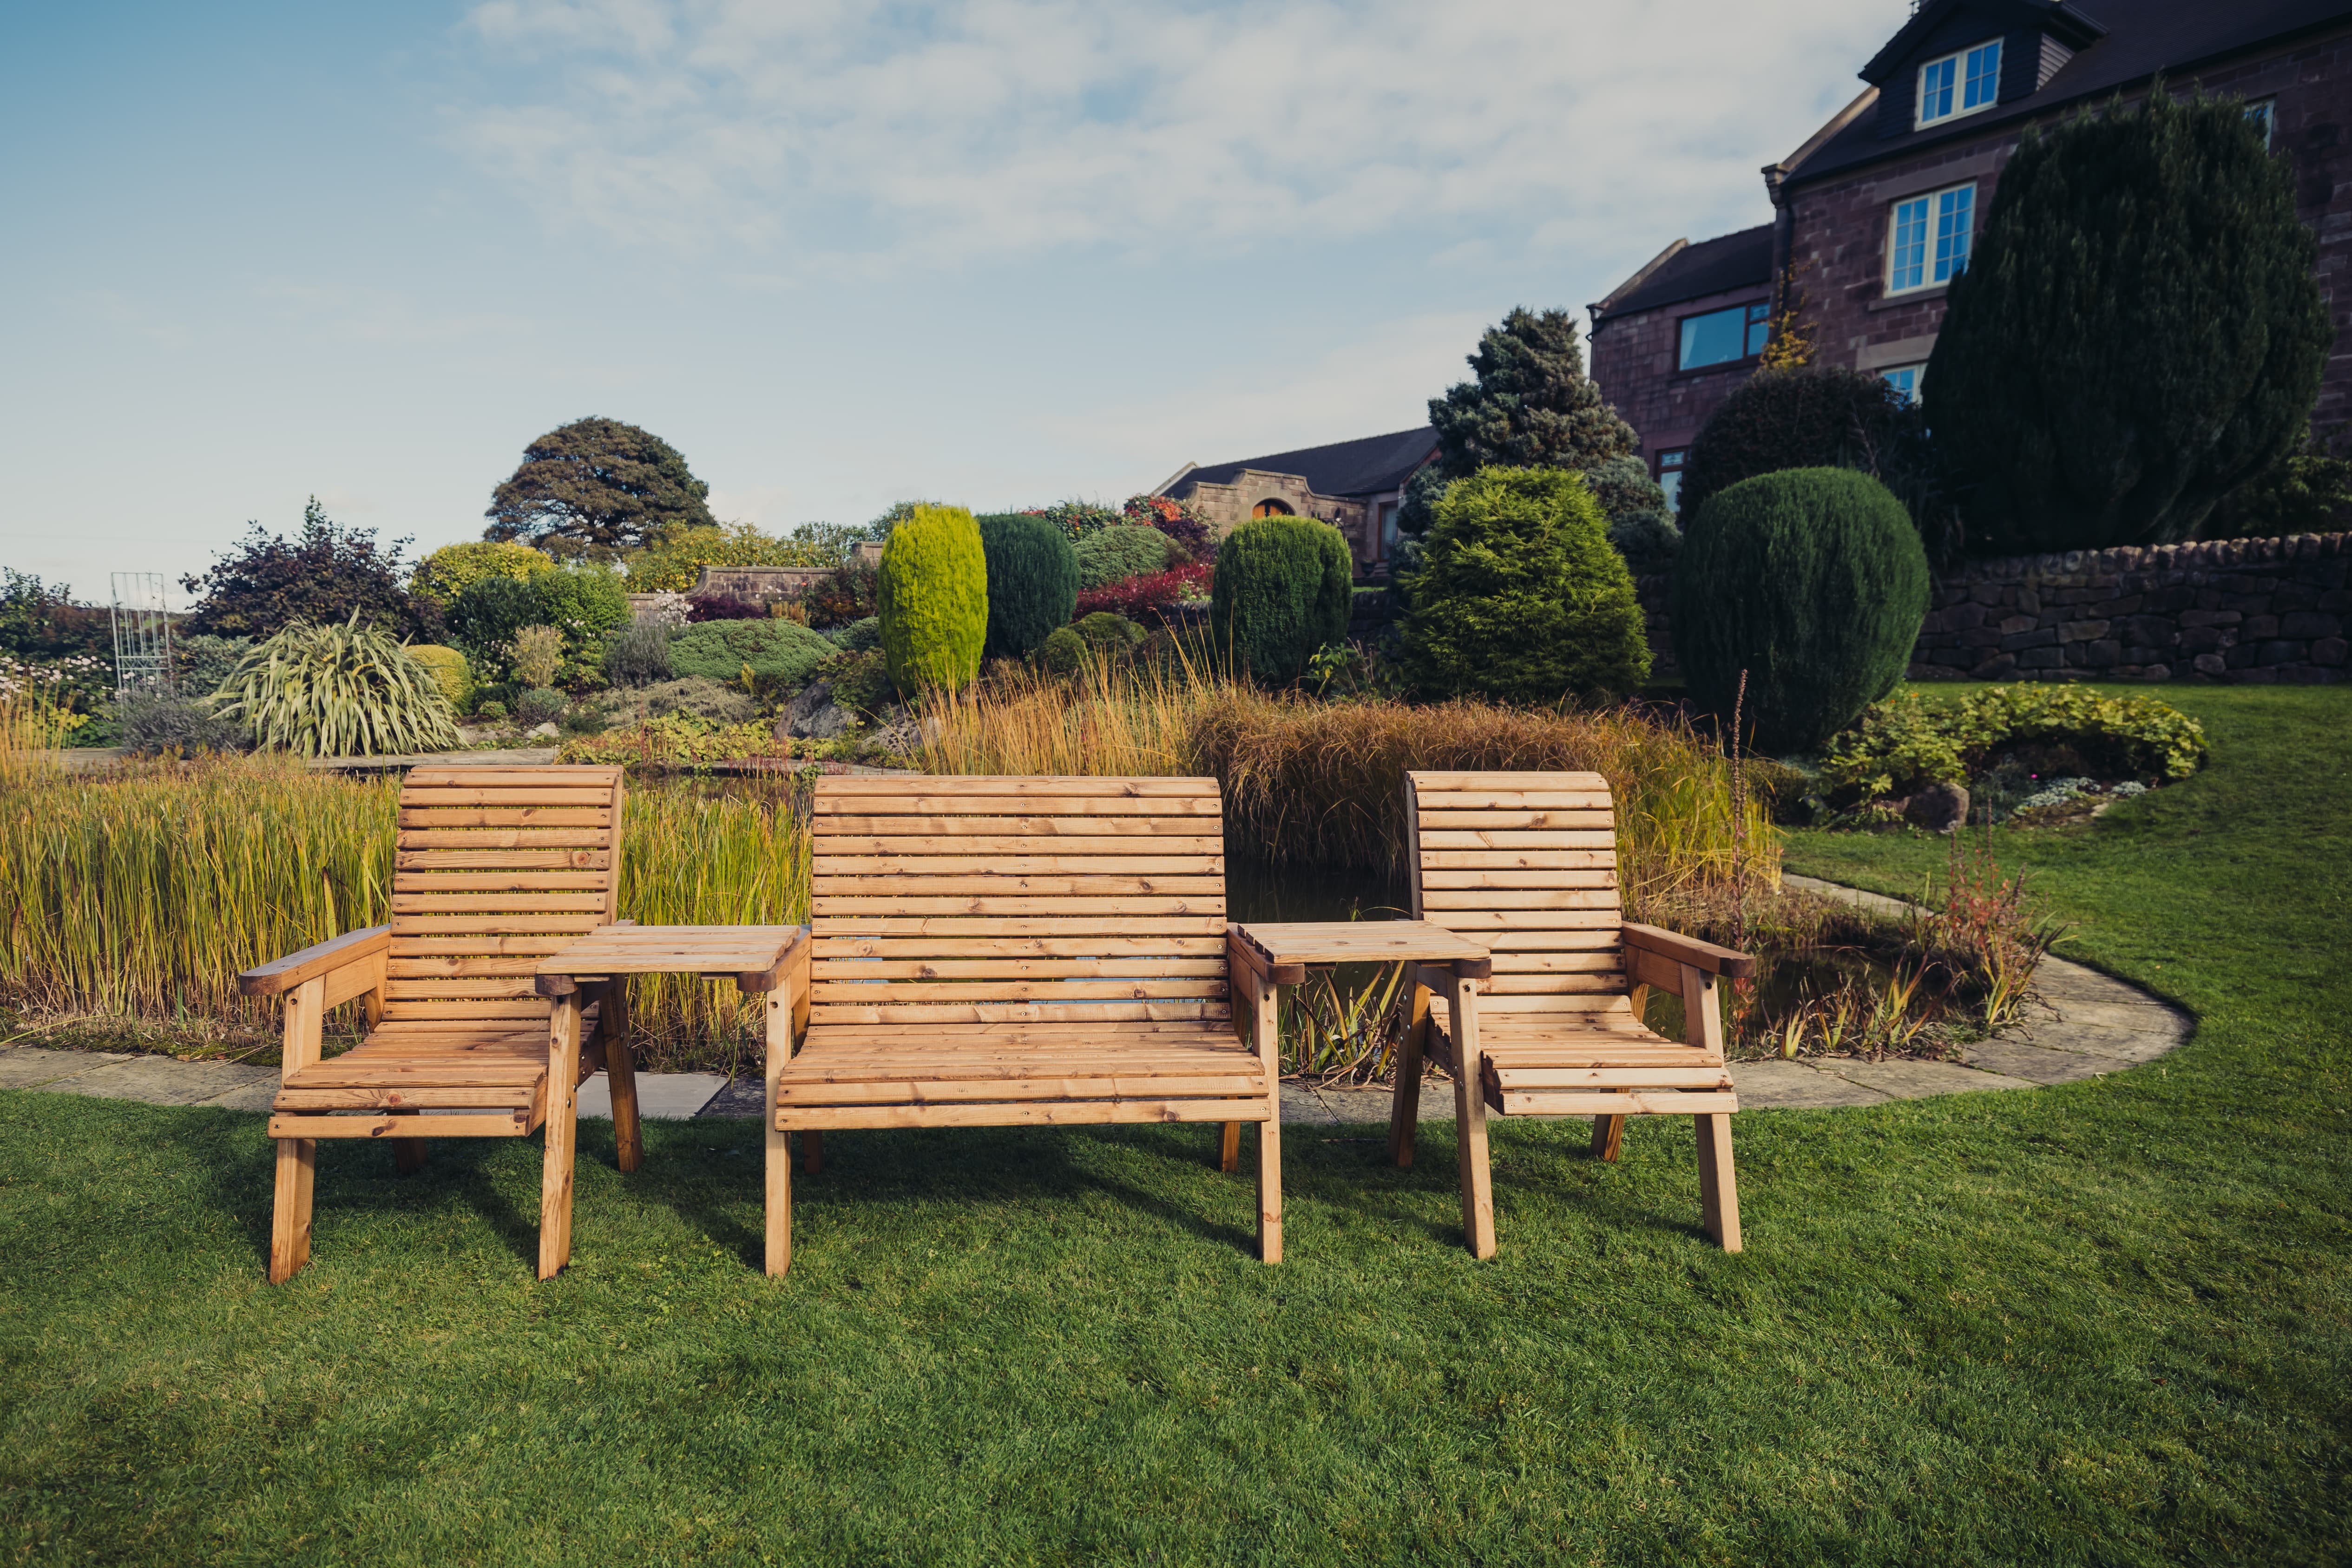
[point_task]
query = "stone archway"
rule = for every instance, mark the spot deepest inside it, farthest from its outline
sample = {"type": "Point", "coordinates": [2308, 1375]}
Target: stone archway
{"type": "Point", "coordinates": [1270, 508]}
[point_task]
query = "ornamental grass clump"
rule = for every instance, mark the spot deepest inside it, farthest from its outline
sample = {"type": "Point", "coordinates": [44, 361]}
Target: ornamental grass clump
{"type": "Point", "coordinates": [932, 596]}
{"type": "Point", "coordinates": [336, 691]}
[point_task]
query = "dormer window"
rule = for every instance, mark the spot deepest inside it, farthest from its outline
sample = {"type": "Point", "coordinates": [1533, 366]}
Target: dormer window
{"type": "Point", "coordinates": [1960, 83]}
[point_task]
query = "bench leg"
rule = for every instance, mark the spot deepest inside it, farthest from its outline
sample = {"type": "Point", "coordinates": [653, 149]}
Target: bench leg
{"type": "Point", "coordinates": [563, 1135]}
{"type": "Point", "coordinates": [1470, 1122]}
{"type": "Point", "coordinates": [1412, 1048]}
{"type": "Point", "coordinates": [407, 1154]}
{"type": "Point", "coordinates": [1269, 1188]}
{"type": "Point", "coordinates": [812, 1151]}
{"type": "Point", "coordinates": [1229, 1148]}
{"type": "Point", "coordinates": [778, 1143]}
{"type": "Point", "coordinates": [621, 1076]}
{"type": "Point", "coordinates": [1608, 1137]}
{"type": "Point", "coordinates": [1719, 1188]}
{"type": "Point", "coordinates": [289, 1221]}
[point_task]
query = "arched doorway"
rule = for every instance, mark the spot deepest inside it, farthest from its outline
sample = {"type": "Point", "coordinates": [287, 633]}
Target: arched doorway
{"type": "Point", "coordinates": [1271, 508]}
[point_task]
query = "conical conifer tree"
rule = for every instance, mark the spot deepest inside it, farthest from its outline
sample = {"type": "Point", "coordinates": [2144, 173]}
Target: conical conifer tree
{"type": "Point", "coordinates": [1531, 406]}
{"type": "Point", "coordinates": [2138, 333]}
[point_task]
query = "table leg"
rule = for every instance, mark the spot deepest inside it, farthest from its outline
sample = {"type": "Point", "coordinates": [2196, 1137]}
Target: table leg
{"type": "Point", "coordinates": [562, 1134]}
{"type": "Point", "coordinates": [621, 1074]}
{"type": "Point", "coordinates": [778, 1006]}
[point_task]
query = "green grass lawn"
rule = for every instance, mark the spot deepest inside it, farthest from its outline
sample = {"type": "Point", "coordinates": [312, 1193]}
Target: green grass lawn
{"type": "Point", "coordinates": [2099, 1323]}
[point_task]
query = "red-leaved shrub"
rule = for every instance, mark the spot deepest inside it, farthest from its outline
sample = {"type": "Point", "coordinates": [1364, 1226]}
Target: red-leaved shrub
{"type": "Point", "coordinates": [1133, 596]}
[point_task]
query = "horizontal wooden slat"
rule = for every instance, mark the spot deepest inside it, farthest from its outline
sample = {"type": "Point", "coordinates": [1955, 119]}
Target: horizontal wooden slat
{"type": "Point", "coordinates": [405, 903]}
{"type": "Point", "coordinates": [486, 839]}
{"type": "Point", "coordinates": [843, 1057]}
{"type": "Point", "coordinates": [1552, 985]}
{"type": "Point", "coordinates": [1134, 925]}
{"type": "Point", "coordinates": [1508, 961]}
{"type": "Point", "coordinates": [1147, 1035]}
{"type": "Point", "coordinates": [527, 883]}
{"type": "Point", "coordinates": [1043, 1113]}
{"type": "Point", "coordinates": [925, 1092]}
{"type": "Point", "coordinates": [996, 843]}
{"type": "Point", "coordinates": [572, 860]}
{"type": "Point", "coordinates": [503, 1124]}
{"type": "Point", "coordinates": [1575, 819]}
{"type": "Point", "coordinates": [905, 889]}
{"type": "Point", "coordinates": [1010, 968]}
{"type": "Point", "coordinates": [425, 798]}
{"type": "Point", "coordinates": [983, 1012]}
{"type": "Point", "coordinates": [1008, 948]}
{"type": "Point", "coordinates": [524, 1007]}
{"type": "Point", "coordinates": [451, 965]}
{"type": "Point", "coordinates": [1125, 907]}
{"type": "Point", "coordinates": [1489, 925]}
{"type": "Point", "coordinates": [407, 989]}
{"type": "Point", "coordinates": [914, 863]}
{"type": "Point", "coordinates": [1510, 801]}
{"type": "Point", "coordinates": [1442, 861]}
{"type": "Point", "coordinates": [1490, 899]}
{"type": "Point", "coordinates": [417, 1096]}
{"type": "Point", "coordinates": [1011, 990]}
{"type": "Point", "coordinates": [1522, 1079]}
{"type": "Point", "coordinates": [869, 806]}
{"type": "Point", "coordinates": [1664, 1104]}
{"type": "Point", "coordinates": [1514, 882]}
{"type": "Point", "coordinates": [574, 776]}
{"type": "Point", "coordinates": [1427, 780]}
{"type": "Point", "coordinates": [1597, 1003]}
{"type": "Point", "coordinates": [1451, 838]}
{"type": "Point", "coordinates": [444, 819]}
{"type": "Point", "coordinates": [517, 947]}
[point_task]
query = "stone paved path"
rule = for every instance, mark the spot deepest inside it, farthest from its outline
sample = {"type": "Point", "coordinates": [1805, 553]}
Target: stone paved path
{"type": "Point", "coordinates": [2082, 1024]}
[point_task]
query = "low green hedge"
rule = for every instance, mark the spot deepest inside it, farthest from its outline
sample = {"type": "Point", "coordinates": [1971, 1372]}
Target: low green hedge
{"type": "Point", "coordinates": [1905, 743]}
{"type": "Point", "coordinates": [775, 651]}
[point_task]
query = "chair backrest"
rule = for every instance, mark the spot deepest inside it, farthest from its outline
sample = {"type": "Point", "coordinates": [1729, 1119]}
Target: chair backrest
{"type": "Point", "coordinates": [494, 868]}
{"type": "Point", "coordinates": [1525, 862]}
{"type": "Point", "coordinates": [988, 900]}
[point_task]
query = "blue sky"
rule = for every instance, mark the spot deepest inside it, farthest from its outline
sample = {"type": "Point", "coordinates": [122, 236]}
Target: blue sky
{"type": "Point", "coordinates": [996, 252]}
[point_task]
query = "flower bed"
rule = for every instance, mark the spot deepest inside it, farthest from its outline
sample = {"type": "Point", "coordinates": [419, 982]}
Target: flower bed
{"type": "Point", "coordinates": [1136, 597]}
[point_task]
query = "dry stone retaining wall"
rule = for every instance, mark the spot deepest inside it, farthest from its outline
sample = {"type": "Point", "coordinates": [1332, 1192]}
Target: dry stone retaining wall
{"type": "Point", "coordinates": [2247, 611]}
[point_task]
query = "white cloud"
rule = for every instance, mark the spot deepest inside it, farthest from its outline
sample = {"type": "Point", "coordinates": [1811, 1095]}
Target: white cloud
{"type": "Point", "coordinates": [847, 133]}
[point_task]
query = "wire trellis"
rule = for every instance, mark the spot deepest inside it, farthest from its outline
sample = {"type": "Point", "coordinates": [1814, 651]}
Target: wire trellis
{"type": "Point", "coordinates": [142, 635]}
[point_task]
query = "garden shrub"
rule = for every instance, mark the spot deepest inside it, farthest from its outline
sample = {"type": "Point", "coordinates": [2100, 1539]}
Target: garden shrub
{"type": "Point", "coordinates": [718, 605]}
{"type": "Point", "coordinates": [698, 695]}
{"type": "Point", "coordinates": [1282, 589]}
{"type": "Point", "coordinates": [453, 569]}
{"type": "Point", "coordinates": [1065, 652]}
{"type": "Point", "coordinates": [154, 725]}
{"type": "Point", "coordinates": [1183, 525]}
{"type": "Point", "coordinates": [535, 656]}
{"type": "Point", "coordinates": [860, 636]}
{"type": "Point", "coordinates": [1032, 582]}
{"type": "Point", "coordinates": [1520, 597]}
{"type": "Point", "coordinates": [851, 593]}
{"type": "Point", "coordinates": [675, 563]}
{"type": "Point", "coordinates": [1136, 597]}
{"type": "Point", "coordinates": [775, 652]}
{"type": "Point", "coordinates": [484, 618]}
{"type": "Point", "coordinates": [1905, 743]}
{"type": "Point", "coordinates": [1104, 630]}
{"type": "Point", "coordinates": [206, 660]}
{"type": "Point", "coordinates": [492, 710]}
{"type": "Point", "coordinates": [933, 593]}
{"type": "Point", "coordinates": [1120, 553]}
{"type": "Point", "coordinates": [1814, 583]}
{"type": "Point", "coordinates": [1077, 519]}
{"type": "Point", "coordinates": [861, 681]}
{"type": "Point", "coordinates": [540, 705]}
{"type": "Point", "coordinates": [336, 690]}
{"type": "Point", "coordinates": [583, 604]}
{"type": "Point", "coordinates": [638, 654]}
{"type": "Point", "coordinates": [1635, 510]}
{"type": "Point", "coordinates": [449, 669]}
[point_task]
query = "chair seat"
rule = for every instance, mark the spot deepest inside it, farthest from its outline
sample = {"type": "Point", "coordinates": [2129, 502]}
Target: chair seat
{"type": "Point", "coordinates": [1568, 1066]}
{"type": "Point", "coordinates": [991, 1074]}
{"type": "Point", "coordinates": [435, 1064]}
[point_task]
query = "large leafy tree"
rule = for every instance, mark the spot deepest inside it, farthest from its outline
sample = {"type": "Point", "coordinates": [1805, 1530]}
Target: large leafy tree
{"type": "Point", "coordinates": [597, 488]}
{"type": "Point", "coordinates": [327, 573]}
{"type": "Point", "coordinates": [2138, 334]}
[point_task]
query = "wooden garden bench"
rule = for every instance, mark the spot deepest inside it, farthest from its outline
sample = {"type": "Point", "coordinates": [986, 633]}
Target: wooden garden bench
{"type": "Point", "coordinates": [1526, 864]}
{"type": "Point", "coordinates": [1004, 952]}
{"type": "Point", "coordinates": [493, 869]}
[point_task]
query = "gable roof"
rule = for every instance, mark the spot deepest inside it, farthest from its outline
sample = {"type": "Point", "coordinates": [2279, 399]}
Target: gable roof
{"type": "Point", "coordinates": [1715, 265]}
{"type": "Point", "coordinates": [1364, 466]}
{"type": "Point", "coordinates": [2141, 37]}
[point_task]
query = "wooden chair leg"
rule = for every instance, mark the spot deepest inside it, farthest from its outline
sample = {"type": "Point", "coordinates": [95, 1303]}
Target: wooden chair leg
{"type": "Point", "coordinates": [1608, 1137]}
{"type": "Point", "coordinates": [1470, 1121]}
{"type": "Point", "coordinates": [1412, 1048]}
{"type": "Point", "coordinates": [1269, 1188]}
{"type": "Point", "coordinates": [563, 1135]}
{"type": "Point", "coordinates": [1718, 1187]}
{"type": "Point", "coordinates": [290, 1220]}
{"type": "Point", "coordinates": [778, 1143]}
{"type": "Point", "coordinates": [812, 1151]}
{"type": "Point", "coordinates": [407, 1154]}
{"type": "Point", "coordinates": [1229, 1148]}
{"type": "Point", "coordinates": [621, 1076]}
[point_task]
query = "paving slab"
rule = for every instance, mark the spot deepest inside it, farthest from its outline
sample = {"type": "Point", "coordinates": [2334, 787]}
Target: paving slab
{"type": "Point", "coordinates": [1798, 1086]}
{"type": "Point", "coordinates": [2035, 1063]}
{"type": "Point", "coordinates": [1918, 1079]}
{"type": "Point", "coordinates": [2062, 980]}
{"type": "Point", "coordinates": [661, 1096]}
{"type": "Point", "coordinates": [1877, 902]}
{"type": "Point", "coordinates": [30, 1067]}
{"type": "Point", "coordinates": [1301, 1103]}
{"type": "Point", "coordinates": [160, 1080]}
{"type": "Point", "coordinates": [1372, 1104]}
{"type": "Point", "coordinates": [738, 1098]}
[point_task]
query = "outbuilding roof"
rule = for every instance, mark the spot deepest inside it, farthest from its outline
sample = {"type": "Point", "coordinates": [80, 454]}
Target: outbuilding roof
{"type": "Point", "coordinates": [1365, 466]}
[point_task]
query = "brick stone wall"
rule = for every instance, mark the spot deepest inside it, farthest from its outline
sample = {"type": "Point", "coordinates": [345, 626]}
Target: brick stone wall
{"type": "Point", "coordinates": [2245, 611]}
{"type": "Point", "coordinates": [1633, 365]}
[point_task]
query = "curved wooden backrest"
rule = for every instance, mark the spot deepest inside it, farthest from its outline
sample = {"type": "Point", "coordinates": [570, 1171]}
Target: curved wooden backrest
{"type": "Point", "coordinates": [495, 868]}
{"type": "Point", "coordinates": [988, 900]}
{"type": "Point", "coordinates": [1525, 862]}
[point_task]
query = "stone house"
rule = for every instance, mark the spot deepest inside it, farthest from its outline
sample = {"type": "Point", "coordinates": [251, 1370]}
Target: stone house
{"type": "Point", "coordinates": [1354, 486]}
{"type": "Point", "coordinates": [1874, 214]}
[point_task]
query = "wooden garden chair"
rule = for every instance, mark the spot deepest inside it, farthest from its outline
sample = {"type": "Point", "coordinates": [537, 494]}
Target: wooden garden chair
{"type": "Point", "coordinates": [493, 867]}
{"type": "Point", "coordinates": [1526, 864]}
{"type": "Point", "coordinates": [1010, 951]}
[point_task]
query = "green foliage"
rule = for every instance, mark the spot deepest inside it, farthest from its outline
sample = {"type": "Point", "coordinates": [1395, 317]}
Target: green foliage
{"type": "Point", "coordinates": [1531, 404]}
{"type": "Point", "coordinates": [484, 618]}
{"type": "Point", "coordinates": [865, 635]}
{"type": "Point", "coordinates": [2138, 333]}
{"type": "Point", "coordinates": [1063, 652]}
{"type": "Point", "coordinates": [161, 726]}
{"type": "Point", "coordinates": [451, 570]}
{"type": "Point", "coordinates": [336, 690]}
{"type": "Point", "coordinates": [1105, 629]}
{"type": "Point", "coordinates": [1118, 552]}
{"type": "Point", "coordinates": [42, 623]}
{"type": "Point", "coordinates": [1635, 511]}
{"type": "Point", "coordinates": [1825, 416]}
{"type": "Point", "coordinates": [861, 680]}
{"type": "Point", "coordinates": [327, 572]}
{"type": "Point", "coordinates": [1281, 591]}
{"type": "Point", "coordinates": [1416, 515]}
{"type": "Point", "coordinates": [1032, 582]}
{"type": "Point", "coordinates": [204, 661]}
{"type": "Point", "coordinates": [777, 652]}
{"type": "Point", "coordinates": [1519, 596]}
{"type": "Point", "coordinates": [674, 564]}
{"type": "Point", "coordinates": [535, 656]}
{"type": "Point", "coordinates": [584, 604]}
{"type": "Point", "coordinates": [597, 487]}
{"type": "Point", "coordinates": [450, 672]}
{"type": "Point", "coordinates": [849, 595]}
{"type": "Point", "coordinates": [1077, 519]}
{"type": "Point", "coordinates": [933, 593]}
{"type": "Point", "coordinates": [1905, 743]}
{"type": "Point", "coordinates": [2309, 491]}
{"type": "Point", "coordinates": [1813, 581]}
{"type": "Point", "coordinates": [637, 654]}
{"type": "Point", "coordinates": [537, 706]}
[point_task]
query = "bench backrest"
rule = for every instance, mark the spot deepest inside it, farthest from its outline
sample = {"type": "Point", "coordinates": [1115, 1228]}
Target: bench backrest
{"type": "Point", "coordinates": [1525, 862]}
{"type": "Point", "coordinates": [989, 900]}
{"type": "Point", "coordinates": [494, 868]}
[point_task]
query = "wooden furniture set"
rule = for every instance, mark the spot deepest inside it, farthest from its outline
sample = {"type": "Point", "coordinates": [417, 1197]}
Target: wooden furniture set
{"type": "Point", "coordinates": [987, 952]}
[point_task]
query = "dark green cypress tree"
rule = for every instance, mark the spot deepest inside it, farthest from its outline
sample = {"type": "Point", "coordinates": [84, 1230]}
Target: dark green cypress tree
{"type": "Point", "coordinates": [2138, 333]}
{"type": "Point", "coordinates": [1280, 593]}
{"type": "Point", "coordinates": [1032, 581]}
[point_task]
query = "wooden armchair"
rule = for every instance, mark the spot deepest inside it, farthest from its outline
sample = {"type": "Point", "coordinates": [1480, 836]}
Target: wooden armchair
{"type": "Point", "coordinates": [1526, 863]}
{"type": "Point", "coordinates": [493, 869]}
{"type": "Point", "coordinates": [995, 952]}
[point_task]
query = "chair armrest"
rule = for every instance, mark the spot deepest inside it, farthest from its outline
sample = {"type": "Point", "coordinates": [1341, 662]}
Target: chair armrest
{"type": "Point", "coordinates": [295, 969]}
{"type": "Point", "coordinates": [1241, 953]}
{"type": "Point", "coordinates": [790, 965]}
{"type": "Point", "coordinates": [1439, 977]}
{"type": "Point", "coordinates": [1690, 950]}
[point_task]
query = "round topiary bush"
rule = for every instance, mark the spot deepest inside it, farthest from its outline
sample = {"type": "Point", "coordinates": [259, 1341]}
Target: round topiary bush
{"type": "Point", "coordinates": [1118, 552]}
{"type": "Point", "coordinates": [1032, 582]}
{"type": "Point", "coordinates": [780, 652]}
{"type": "Point", "coordinates": [933, 593]}
{"type": "Point", "coordinates": [1814, 583]}
{"type": "Point", "coordinates": [1520, 597]}
{"type": "Point", "coordinates": [1281, 591]}
{"type": "Point", "coordinates": [1063, 652]}
{"type": "Point", "coordinates": [449, 669]}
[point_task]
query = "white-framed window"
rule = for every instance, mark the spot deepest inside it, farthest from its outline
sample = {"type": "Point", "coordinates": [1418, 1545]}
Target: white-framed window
{"type": "Point", "coordinates": [1927, 238]}
{"type": "Point", "coordinates": [1905, 379]}
{"type": "Point", "coordinates": [1670, 476]}
{"type": "Point", "coordinates": [2265, 117]}
{"type": "Point", "coordinates": [1961, 83]}
{"type": "Point", "coordinates": [1724, 337]}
